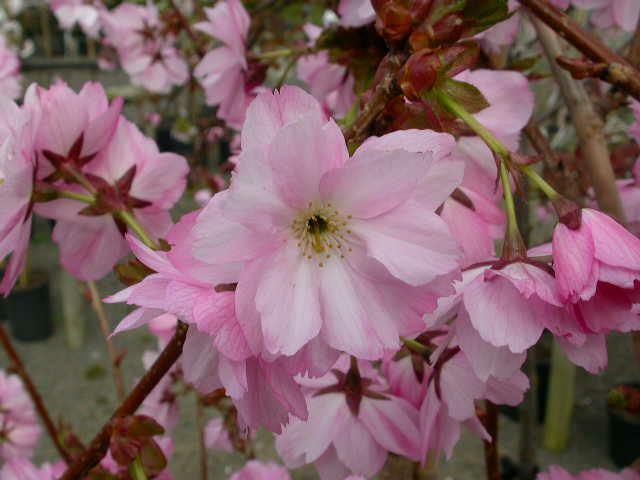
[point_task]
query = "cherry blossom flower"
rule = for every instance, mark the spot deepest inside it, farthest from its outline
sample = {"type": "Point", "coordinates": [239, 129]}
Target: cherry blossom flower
{"type": "Point", "coordinates": [216, 436]}
{"type": "Point", "coordinates": [224, 71]}
{"type": "Point", "coordinates": [10, 79]}
{"type": "Point", "coordinates": [256, 470]}
{"type": "Point", "coordinates": [19, 429]}
{"type": "Point", "coordinates": [22, 469]}
{"type": "Point", "coordinates": [128, 174]}
{"type": "Point", "coordinates": [86, 14]}
{"type": "Point", "coordinates": [356, 13]}
{"type": "Point", "coordinates": [147, 53]}
{"type": "Point", "coordinates": [329, 246]}
{"type": "Point", "coordinates": [18, 167]}
{"type": "Point", "coordinates": [593, 248]}
{"type": "Point", "coordinates": [330, 83]}
{"type": "Point", "coordinates": [353, 424]}
{"type": "Point", "coordinates": [622, 14]}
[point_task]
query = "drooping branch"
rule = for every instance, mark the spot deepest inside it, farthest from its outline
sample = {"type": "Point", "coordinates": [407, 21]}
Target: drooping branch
{"type": "Point", "coordinates": [588, 125]}
{"type": "Point", "coordinates": [33, 393]}
{"type": "Point", "coordinates": [100, 443]}
{"type": "Point", "coordinates": [617, 70]}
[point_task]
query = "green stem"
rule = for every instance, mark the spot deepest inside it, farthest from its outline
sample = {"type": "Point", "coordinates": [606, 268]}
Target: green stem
{"type": "Point", "coordinates": [512, 219]}
{"type": "Point", "coordinates": [415, 346]}
{"type": "Point", "coordinates": [138, 229]}
{"type": "Point", "coordinates": [540, 182]}
{"type": "Point", "coordinates": [80, 179]}
{"type": "Point", "coordinates": [459, 111]}
{"type": "Point", "coordinates": [80, 197]}
{"type": "Point", "coordinates": [281, 52]}
{"type": "Point", "coordinates": [137, 471]}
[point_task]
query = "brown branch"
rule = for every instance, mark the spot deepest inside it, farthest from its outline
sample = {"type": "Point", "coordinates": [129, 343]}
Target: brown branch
{"type": "Point", "coordinates": [98, 307]}
{"type": "Point", "coordinates": [33, 393]}
{"type": "Point", "coordinates": [619, 72]}
{"type": "Point", "coordinates": [491, 456]}
{"type": "Point", "coordinates": [634, 50]}
{"type": "Point", "coordinates": [588, 125]}
{"type": "Point", "coordinates": [99, 445]}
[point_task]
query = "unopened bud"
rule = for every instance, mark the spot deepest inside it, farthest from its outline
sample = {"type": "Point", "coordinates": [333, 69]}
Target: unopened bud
{"type": "Point", "coordinates": [420, 74]}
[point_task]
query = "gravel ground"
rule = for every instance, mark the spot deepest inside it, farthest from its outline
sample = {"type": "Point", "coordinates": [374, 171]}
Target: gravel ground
{"type": "Point", "coordinates": [78, 386]}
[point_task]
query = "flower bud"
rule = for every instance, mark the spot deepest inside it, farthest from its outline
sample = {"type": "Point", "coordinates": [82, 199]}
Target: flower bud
{"type": "Point", "coordinates": [420, 74]}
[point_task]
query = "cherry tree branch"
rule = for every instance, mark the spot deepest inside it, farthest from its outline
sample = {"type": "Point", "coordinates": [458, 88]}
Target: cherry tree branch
{"type": "Point", "coordinates": [618, 70]}
{"type": "Point", "coordinates": [491, 456]}
{"type": "Point", "coordinates": [100, 443]}
{"type": "Point", "coordinates": [588, 125]}
{"type": "Point", "coordinates": [187, 28]}
{"type": "Point", "coordinates": [33, 393]}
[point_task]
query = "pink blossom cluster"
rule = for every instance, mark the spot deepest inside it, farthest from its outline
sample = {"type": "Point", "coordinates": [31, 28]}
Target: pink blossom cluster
{"type": "Point", "coordinates": [19, 428]}
{"type": "Point", "coordinates": [78, 143]}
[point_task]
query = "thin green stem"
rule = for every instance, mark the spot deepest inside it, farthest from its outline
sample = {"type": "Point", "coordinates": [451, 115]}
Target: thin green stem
{"type": "Point", "coordinates": [459, 111]}
{"type": "Point", "coordinates": [137, 470]}
{"type": "Point", "coordinates": [81, 197]}
{"type": "Point", "coordinates": [415, 346]}
{"type": "Point", "coordinates": [512, 219]}
{"type": "Point", "coordinates": [138, 229]}
{"type": "Point", "coordinates": [80, 179]}
{"type": "Point", "coordinates": [540, 182]}
{"type": "Point", "coordinates": [281, 52]}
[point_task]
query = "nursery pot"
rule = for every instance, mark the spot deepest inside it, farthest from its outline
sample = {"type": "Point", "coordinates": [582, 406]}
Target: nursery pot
{"type": "Point", "coordinates": [624, 435]}
{"type": "Point", "coordinates": [543, 369]}
{"type": "Point", "coordinates": [29, 310]}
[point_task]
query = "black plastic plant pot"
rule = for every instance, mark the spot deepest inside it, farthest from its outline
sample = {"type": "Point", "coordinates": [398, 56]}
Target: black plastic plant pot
{"type": "Point", "coordinates": [29, 310]}
{"type": "Point", "coordinates": [624, 435]}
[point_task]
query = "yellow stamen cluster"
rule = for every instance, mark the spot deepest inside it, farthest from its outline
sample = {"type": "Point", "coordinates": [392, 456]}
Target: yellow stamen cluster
{"type": "Point", "coordinates": [321, 232]}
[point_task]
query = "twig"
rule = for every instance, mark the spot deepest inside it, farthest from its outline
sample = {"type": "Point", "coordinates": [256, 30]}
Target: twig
{"type": "Point", "coordinates": [618, 71]}
{"type": "Point", "coordinates": [98, 307]}
{"type": "Point", "coordinates": [491, 457]}
{"type": "Point", "coordinates": [98, 446]}
{"type": "Point", "coordinates": [588, 125]}
{"type": "Point", "coordinates": [33, 393]}
{"type": "Point", "coordinates": [202, 447]}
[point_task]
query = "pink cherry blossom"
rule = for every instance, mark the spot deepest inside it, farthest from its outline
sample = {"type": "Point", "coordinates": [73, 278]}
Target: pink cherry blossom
{"type": "Point", "coordinates": [22, 469]}
{"type": "Point", "coordinates": [147, 53]}
{"type": "Point", "coordinates": [597, 250]}
{"type": "Point", "coordinates": [148, 182]}
{"type": "Point", "coordinates": [84, 13]}
{"type": "Point", "coordinates": [19, 428]}
{"type": "Point", "coordinates": [256, 470]}
{"type": "Point", "coordinates": [353, 423]}
{"type": "Point", "coordinates": [224, 71]}
{"type": "Point", "coordinates": [10, 79]}
{"type": "Point", "coordinates": [330, 83]}
{"type": "Point", "coordinates": [356, 13]}
{"type": "Point", "coordinates": [318, 240]}
{"type": "Point", "coordinates": [622, 14]}
{"type": "Point", "coordinates": [18, 167]}
{"type": "Point", "coordinates": [216, 436]}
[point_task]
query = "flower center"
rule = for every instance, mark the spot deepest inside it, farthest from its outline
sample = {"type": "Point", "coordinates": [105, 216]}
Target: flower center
{"type": "Point", "coordinates": [320, 231]}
